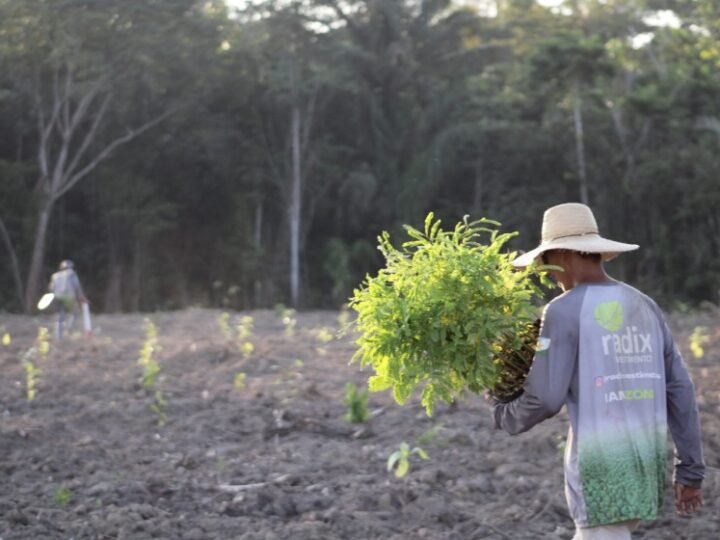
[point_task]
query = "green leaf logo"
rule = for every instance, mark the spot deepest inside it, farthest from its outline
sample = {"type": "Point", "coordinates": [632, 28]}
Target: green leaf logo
{"type": "Point", "coordinates": [610, 315]}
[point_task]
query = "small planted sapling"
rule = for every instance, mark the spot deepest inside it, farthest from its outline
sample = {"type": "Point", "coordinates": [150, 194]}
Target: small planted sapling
{"type": "Point", "coordinates": [289, 321]}
{"type": "Point", "coordinates": [42, 342]}
{"type": "Point", "coordinates": [151, 370]}
{"type": "Point", "coordinates": [6, 339]}
{"type": "Point", "coordinates": [698, 339]}
{"type": "Point", "coordinates": [159, 406]}
{"type": "Point", "coordinates": [399, 460]}
{"type": "Point", "coordinates": [357, 404]}
{"type": "Point", "coordinates": [62, 496]}
{"type": "Point", "coordinates": [244, 333]}
{"type": "Point", "coordinates": [238, 335]}
{"type": "Point", "coordinates": [224, 324]}
{"type": "Point", "coordinates": [246, 349]}
{"type": "Point", "coordinates": [41, 348]}
{"type": "Point", "coordinates": [31, 375]}
{"type": "Point", "coordinates": [324, 334]}
{"type": "Point", "coordinates": [245, 328]}
{"type": "Point", "coordinates": [239, 381]}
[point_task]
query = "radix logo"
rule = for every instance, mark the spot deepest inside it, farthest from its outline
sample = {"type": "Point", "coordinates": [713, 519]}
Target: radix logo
{"type": "Point", "coordinates": [610, 315]}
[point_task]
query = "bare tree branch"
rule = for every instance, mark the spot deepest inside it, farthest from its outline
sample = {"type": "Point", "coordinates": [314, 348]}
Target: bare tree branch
{"type": "Point", "coordinates": [67, 93]}
{"type": "Point", "coordinates": [130, 135]}
{"type": "Point", "coordinates": [64, 178]}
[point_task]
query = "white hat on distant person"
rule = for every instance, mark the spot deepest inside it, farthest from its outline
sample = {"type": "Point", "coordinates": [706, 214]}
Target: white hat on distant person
{"type": "Point", "coordinates": [572, 226]}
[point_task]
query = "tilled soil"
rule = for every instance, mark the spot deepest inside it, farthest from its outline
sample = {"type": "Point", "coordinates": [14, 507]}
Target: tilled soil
{"type": "Point", "coordinates": [275, 458]}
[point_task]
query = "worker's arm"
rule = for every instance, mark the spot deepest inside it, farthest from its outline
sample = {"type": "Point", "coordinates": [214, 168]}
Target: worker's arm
{"type": "Point", "coordinates": [683, 416]}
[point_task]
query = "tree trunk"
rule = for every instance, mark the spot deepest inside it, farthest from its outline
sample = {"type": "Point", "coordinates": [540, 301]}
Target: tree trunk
{"type": "Point", "coordinates": [295, 208]}
{"type": "Point", "coordinates": [38, 255]}
{"type": "Point", "coordinates": [580, 144]}
{"type": "Point", "coordinates": [258, 222]}
{"type": "Point", "coordinates": [478, 191]}
{"type": "Point", "coordinates": [13, 262]}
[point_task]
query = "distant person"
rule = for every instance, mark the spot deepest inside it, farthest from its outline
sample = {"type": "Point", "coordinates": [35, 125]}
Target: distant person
{"type": "Point", "coordinates": [65, 285]}
{"type": "Point", "coordinates": [606, 353]}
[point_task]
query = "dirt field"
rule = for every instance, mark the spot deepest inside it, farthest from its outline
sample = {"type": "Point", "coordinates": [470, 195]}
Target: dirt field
{"type": "Point", "coordinates": [276, 459]}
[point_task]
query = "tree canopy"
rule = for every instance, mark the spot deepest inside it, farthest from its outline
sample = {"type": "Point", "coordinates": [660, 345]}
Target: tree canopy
{"type": "Point", "coordinates": [188, 152]}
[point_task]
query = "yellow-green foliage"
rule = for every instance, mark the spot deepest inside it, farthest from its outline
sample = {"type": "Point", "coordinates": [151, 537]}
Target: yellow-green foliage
{"type": "Point", "coordinates": [239, 335]}
{"type": "Point", "coordinates": [42, 341]}
{"type": "Point", "coordinates": [246, 349]}
{"type": "Point", "coordinates": [357, 404]}
{"type": "Point", "coordinates": [443, 309]}
{"type": "Point", "coordinates": [62, 496]}
{"type": "Point", "coordinates": [151, 369]}
{"type": "Point", "coordinates": [399, 460]}
{"type": "Point", "coordinates": [158, 406]}
{"type": "Point", "coordinates": [324, 334]}
{"type": "Point", "coordinates": [6, 339]}
{"type": "Point", "coordinates": [289, 321]}
{"type": "Point", "coordinates": [245, 328]}
{"type": "Point", "coordinates": [698, 339]}
{"type": "Point", "coordinates": [239, 381]}
{"type": "Point", "coordinates": [32, 372]}
{"type": "Point", "coordinates": [224, 324]}
{"type": "Point", "coordinates": [31, 375]}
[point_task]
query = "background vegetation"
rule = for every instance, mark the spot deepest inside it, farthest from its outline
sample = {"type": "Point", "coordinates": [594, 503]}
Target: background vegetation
{"type": "Point", "coordinates": [185, 152]}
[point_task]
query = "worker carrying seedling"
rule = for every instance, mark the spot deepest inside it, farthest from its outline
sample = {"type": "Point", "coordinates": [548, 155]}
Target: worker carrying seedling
{"type": "Point", "coordinates": [67, 292]}
{"type": "Point", "coordinates": [605, 351]}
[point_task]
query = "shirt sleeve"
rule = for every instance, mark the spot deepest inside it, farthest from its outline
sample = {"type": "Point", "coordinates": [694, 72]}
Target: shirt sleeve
{"type": "Point", "coordinates": [548, 383]}
{"type": "Point", "coordinates": [683, 416]}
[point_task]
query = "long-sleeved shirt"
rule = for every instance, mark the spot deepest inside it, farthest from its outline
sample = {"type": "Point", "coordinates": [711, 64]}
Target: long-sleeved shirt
{"type": "Point", "coordinates": [65, 285]}
{"type": "Point", "coordinates": [605, 351]}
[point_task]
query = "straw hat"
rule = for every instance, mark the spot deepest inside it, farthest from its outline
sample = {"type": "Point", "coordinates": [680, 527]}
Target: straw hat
{"type": "Point", "coordinates": [572, 226]}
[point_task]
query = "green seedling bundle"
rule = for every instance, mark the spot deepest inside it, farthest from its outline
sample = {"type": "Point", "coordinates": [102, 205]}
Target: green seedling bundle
{"type": "Point", "coordinates": [448, 313]}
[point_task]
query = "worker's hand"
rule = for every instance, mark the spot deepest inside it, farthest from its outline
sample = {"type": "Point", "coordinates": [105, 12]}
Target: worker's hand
{"type": "Point", "coordinates": [490, 399]}
{"type": "Point", "coordinates": [688, 500]}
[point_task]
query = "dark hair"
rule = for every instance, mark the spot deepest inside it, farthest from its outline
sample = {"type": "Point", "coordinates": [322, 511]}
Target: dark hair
{"type": "Point", "coordinates": [595, 257]}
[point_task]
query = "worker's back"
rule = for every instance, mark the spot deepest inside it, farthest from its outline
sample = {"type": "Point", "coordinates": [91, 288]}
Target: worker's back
{"type": "Point", "coordinates": [63, 284]}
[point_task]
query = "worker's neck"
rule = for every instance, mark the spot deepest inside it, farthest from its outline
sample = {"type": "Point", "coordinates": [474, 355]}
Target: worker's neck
{"type": "Point", "coordinates": [589, 273]}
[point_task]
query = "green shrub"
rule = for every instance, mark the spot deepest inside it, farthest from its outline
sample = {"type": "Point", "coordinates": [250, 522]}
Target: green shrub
{"type": "Point", "coordinates": [448, 312]}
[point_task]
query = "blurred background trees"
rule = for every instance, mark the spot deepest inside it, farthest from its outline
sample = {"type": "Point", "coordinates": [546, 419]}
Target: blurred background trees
{"type": "Point", "coordinates": [247, 153]}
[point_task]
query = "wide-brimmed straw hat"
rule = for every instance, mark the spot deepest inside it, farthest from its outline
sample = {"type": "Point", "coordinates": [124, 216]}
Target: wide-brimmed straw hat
{"type": "Point", "coordinates": [572, 226]}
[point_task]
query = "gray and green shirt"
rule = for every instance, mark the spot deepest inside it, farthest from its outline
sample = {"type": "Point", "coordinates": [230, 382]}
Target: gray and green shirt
{"type": "Point", "coordinates": [606, 352]}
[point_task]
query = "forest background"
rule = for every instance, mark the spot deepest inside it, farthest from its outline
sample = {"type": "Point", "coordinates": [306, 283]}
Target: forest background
{"type": "Point", "coordinates": [246, 154]}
